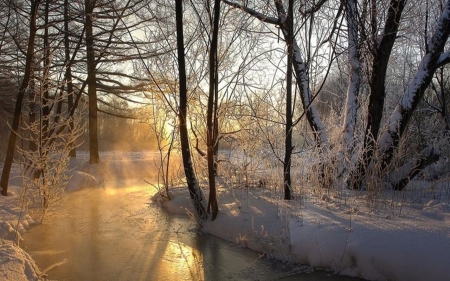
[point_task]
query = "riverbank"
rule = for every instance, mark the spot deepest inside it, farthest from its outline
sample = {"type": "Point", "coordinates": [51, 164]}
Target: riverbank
{"type": "Point", "coordinates": [410, 242]}
{"type": "Point", "coordinates": [15, 263]}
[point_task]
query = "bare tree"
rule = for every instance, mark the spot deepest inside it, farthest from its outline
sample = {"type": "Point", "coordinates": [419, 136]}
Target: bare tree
{"type": "Point", "coordinates": [19, 99]}
{"type": "Point", "coordinates": [288, 148]}
{"type": "Point", "coordinates": [212, 120]}
{"type": "Point", "coordinates": [193, 185]}
{"type": "Point", "coordinates": [94, 156]}
{"type": "Point", "coordinates": [431, 61]}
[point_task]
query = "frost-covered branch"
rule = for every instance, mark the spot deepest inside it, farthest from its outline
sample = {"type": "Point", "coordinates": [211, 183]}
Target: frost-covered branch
{"type": "Point", "coordinates": [299, 66]}
{"type": "Point", "coordinates": [397, 122]}
{"type": "Point", "coordinates": [253, 13]}
{"type": "Point", "coordinates": [404, 174]}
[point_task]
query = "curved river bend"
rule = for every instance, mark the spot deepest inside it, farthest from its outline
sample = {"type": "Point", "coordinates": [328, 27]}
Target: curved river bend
{"type": "Point", "coordinates": [117, 233]}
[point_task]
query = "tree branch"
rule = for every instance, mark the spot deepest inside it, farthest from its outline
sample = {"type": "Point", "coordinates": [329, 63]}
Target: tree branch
{"type": "Point", "coordinates": [253, 13]}
{"type": "Point", "coordinates": [444, 58]}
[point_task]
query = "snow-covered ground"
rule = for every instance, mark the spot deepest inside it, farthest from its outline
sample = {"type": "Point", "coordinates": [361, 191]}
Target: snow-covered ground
{"type": "Point", "coordinates": [15, 263]}
{"type": "Point", "coordinates": [397, 236]}
{"type": "Point", "coordinates": [403, 242]}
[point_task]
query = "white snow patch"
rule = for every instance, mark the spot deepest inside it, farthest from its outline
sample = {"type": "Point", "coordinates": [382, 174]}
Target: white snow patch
{"type": "Point", "coordinates": [15, 264]}
{"type": "Point", "coordinates": [80, 180]}
{"type": "Point", "coordinates": [355, 241]}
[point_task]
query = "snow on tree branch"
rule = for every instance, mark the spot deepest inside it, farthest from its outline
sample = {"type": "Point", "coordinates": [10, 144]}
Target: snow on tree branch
{"type": "Point", "coordinates": [397, 122]}
{"type": "Point", "coordinates": [444, 58]}
{"type": "Point", "coordinates": [253, 13]}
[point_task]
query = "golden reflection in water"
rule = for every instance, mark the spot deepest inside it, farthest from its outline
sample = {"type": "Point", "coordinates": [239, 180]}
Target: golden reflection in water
{"type": "Point", "coordinates": [186, 260]}
{"type": "Point", "coordinates": [111, 191]}
{"type": "Point", "coordinates": [171, 260]}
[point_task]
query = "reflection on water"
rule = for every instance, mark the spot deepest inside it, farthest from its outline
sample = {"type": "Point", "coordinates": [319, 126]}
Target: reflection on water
{"type": "Point", "coordinates": [114, 233]}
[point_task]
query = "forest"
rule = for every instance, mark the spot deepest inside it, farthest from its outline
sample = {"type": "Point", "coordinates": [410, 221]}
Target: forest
{"type": "Point", "coordinates": [356, 89]}
{"type": "Point", "coordinates": [316, 132]}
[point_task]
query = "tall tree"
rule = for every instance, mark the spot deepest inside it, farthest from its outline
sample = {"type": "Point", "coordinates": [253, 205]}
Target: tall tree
{"type": "Point", "coordinates": [194, 189]}
{"type": "Point", "coordinates": [289, 126]}
{"type": "Point", "coordinates": [68, 65]}
{"type": "Point", "coordinates": [94, 156]}
{"type": "Point", "coordinates": [382, 50]}
{"type": "Point", "coordinates": [212, 124]}
{"type": "Point", "coordinates": [431, 61]}
{"type": "Point", "coordinates": [19, 99]}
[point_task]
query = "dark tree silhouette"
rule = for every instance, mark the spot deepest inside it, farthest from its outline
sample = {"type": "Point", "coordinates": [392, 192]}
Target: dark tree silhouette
{"type": "Point", "coordinates": [19, 99]}
{"type": "Point", "coordinates": [192, 182]}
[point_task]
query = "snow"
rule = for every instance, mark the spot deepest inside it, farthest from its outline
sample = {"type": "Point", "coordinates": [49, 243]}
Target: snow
{"type": "Point", "coordinates": [338, 232]}
{"type": "Point", "coordinates": [400, 236]}
{"type": "Point", "coordinates": [15, 263]}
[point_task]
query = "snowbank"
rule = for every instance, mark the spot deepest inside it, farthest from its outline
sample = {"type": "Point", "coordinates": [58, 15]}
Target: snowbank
{"type": "Point", "coordinates": [403, 243]}
{"type": "Point", "coordinates": [15, 263]}
{"type": "Point", "coordinates": [80, 180]}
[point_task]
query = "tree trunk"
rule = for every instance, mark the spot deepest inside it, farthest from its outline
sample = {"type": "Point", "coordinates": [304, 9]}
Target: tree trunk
{"type": "Point", "coordinates": [193, 186]}
{"type": "Point", "coordinates": [18, 108]}
{"type": "Point", "coordinates": [45, 96]}
{"type": "Point", "coordinates": [211, 122]}
{"type": "Point", "coordinates": [351, 105]}
{"type": "Point", "coordinates": [378, 89]}
{"type": "Point", "coordinates": [68, 74]}
{"type": "Point", "coordinates": [92, 88]}
{"type": "Point", "coordinates": [399, 119]}
{"type": "Point", "coordinates": [288, 113]}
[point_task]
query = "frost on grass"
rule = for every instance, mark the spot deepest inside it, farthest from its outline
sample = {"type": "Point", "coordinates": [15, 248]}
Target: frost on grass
{"type": "Point", "coordinates": [15, 264]}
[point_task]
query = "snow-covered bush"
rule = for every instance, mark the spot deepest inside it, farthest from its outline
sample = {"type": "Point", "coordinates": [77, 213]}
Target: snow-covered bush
{"type": "Point", "coordinates": [45, 161]}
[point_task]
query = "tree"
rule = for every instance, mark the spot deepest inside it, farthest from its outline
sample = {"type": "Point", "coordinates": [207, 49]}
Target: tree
{"type": "Point", "coordinates": [68, 72]}
{"type": "Point", "coordinates": [192, 182]}
{"type": "Point", "coordinates": [19, 99]}
{"type": "Point", "coordinates": [212, 120]}
{"type": "Point", "coordinates": [300, 69]}
{"type": "Point", "coordinates": [382, 51]}
{"type": "Point", "coordinates": [94, 156]}
{"type": "Point", "coordinates": [431, 61]}
{"type": "Point", "coordinates": [288, 148]}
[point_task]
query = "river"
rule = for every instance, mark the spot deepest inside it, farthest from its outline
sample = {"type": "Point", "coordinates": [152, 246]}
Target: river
{"type": "Point", "coordinates": [117, 233]}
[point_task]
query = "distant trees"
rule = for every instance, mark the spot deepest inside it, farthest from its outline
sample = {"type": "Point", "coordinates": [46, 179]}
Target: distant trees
{"type": "Point", "coordinates": [53, 64]}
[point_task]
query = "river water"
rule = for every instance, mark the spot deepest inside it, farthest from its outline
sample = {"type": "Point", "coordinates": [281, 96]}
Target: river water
{"type": "Point", "coordinates": [117, 233]}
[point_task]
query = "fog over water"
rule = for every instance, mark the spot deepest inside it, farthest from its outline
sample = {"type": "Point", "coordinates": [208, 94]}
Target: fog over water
{"type": "Point", "coordinates": [115, 232]}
